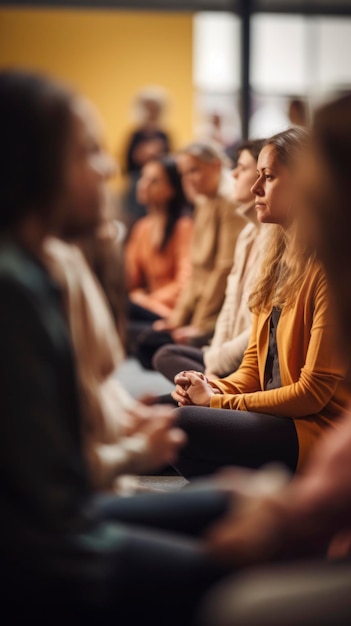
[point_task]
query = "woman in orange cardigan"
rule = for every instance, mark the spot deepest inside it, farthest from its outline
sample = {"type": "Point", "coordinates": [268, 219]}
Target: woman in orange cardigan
{"type": "Point", "coordinates": [289, 388]}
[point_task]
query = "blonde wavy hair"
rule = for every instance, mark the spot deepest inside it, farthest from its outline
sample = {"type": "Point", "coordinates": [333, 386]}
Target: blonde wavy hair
{"type": "Point", "coordinates": [287, 257]}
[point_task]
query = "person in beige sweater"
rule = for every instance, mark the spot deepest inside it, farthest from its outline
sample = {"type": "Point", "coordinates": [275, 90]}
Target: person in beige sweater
{"type": "Point", "coordinates": [233, 325]}
{"type": "Point", "coordinates": [207, 178]}
{"type": "Point", "coordinates": [217, 226]}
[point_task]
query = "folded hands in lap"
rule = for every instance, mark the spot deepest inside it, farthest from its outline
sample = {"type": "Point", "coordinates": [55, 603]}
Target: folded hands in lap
{"type": "Point", "coordinates": [192, 388]}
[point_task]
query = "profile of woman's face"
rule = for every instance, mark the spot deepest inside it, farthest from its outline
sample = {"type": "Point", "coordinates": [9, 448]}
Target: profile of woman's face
{"type": "Point", "coordinates": [154, 188]}
{"type": "Point", "coordinates": [245, 176]}
{"type": "Point", "coordinates": [274, 189]}
{"type": "Point", "coordinates": [87, 168]}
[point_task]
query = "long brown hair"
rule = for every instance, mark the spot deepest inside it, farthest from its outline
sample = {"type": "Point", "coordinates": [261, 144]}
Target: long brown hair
{"type": "Point", "coordinates": [286, 258]}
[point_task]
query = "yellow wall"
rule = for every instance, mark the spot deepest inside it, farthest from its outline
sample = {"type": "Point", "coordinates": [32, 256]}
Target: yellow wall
{"type": "Point", "coordinates": [108, 56]}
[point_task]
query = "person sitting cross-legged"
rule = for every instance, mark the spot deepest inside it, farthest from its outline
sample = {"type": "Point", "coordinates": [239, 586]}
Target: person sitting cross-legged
{"type": "Point", "coordinates": [290, 386]}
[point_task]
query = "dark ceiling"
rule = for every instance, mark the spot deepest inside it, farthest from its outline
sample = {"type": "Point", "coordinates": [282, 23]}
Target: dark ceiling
{"type": "Point", "coordinates": [327, 7]}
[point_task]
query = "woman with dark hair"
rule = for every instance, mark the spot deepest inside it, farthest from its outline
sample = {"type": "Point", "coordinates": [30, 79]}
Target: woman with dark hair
{"type": "Point", "coordinates": [158, 250]}
{"type": "Point", "coordinates": [290, 386]}
{"type": "Point", "coordinates": [148, 140]}
{"type": "Point", "coordinates": [157, 255]}
{"type": "Point", "coordinates": [207, 180]}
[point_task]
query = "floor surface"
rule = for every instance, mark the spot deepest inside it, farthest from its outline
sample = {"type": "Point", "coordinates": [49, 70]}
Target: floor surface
{"type": "Point", "coordinates": [140, 382]}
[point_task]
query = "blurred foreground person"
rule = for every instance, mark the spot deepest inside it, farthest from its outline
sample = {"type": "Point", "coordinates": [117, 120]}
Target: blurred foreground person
{"type": "Point", "coordinates": [119, 434]}
{"type": "Point", "coordinates": [61, 559]}
{"type": "Point", "coordinates": [311, 517]}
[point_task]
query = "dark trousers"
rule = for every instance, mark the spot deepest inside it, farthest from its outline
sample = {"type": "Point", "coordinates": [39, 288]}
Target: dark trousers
{"type": "Point", "coordinates": [158, 570]}
{"type": "Point", "coordinates": [142, 340]}
{"type": "Point", "coordinates": [221, 437]}
{"type": "Point", "coordinates": [187, 512]}
{"type": "Point", "coordinates": [172, 359]}
{"type": "Point", "coordinates": [161, 565]}
{"type": "Point", "coordinates": [144, 343]}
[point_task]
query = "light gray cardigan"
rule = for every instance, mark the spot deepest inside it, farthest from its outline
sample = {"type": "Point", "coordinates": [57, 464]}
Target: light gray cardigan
{"type": "Point", "coordinates": [233, 324]}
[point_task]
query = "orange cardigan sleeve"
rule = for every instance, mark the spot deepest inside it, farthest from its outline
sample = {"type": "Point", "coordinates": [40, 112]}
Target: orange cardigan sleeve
{"type": "Point", "coordinates": [318, 379]}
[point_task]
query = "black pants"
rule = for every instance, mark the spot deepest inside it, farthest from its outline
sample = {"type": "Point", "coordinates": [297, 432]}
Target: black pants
{"type": "Point", "coordinates": [221, 437]}
{"type": "Point", "coordinates": [142, 340]}
{"type": "Point", "coordinates": [187, 511]}
{"type": "Point", "coordinates": [159, 570]}
{"type": "Point", "coordinates": [172, 359]}
{"type": "Point", "coordinates": [165, 569]}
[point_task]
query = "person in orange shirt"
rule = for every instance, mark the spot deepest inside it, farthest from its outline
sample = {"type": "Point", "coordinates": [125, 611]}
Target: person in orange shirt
{"type": "Point", "coordinates": [157, 253]}
{"type": "Point", "coordinates": [290, 385]}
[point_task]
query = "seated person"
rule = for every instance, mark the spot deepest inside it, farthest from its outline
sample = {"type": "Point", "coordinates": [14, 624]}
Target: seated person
{"type": "Point", "coordinates": [290, 385]}
{"type": "Point", "coordinates": [207, 177]}
{"type": "Point", "coordinates": [103, 250]}
{"type": "Point", "coordinates": [233, 325]}
{"type": "Point", "coordinates": [120, 434]}
{"type": "Point", "coordinates": [306, 524]}
{"type": "Point", "coordinates": [147, 141]}
{"type": "Point", "coordinates": [157, 255]}
{"type": "Point", "coordinates": [64, 557]}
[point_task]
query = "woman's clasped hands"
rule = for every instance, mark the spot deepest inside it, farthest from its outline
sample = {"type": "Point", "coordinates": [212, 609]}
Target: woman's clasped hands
{"type": "Point", "coordinates": [193, 388]}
